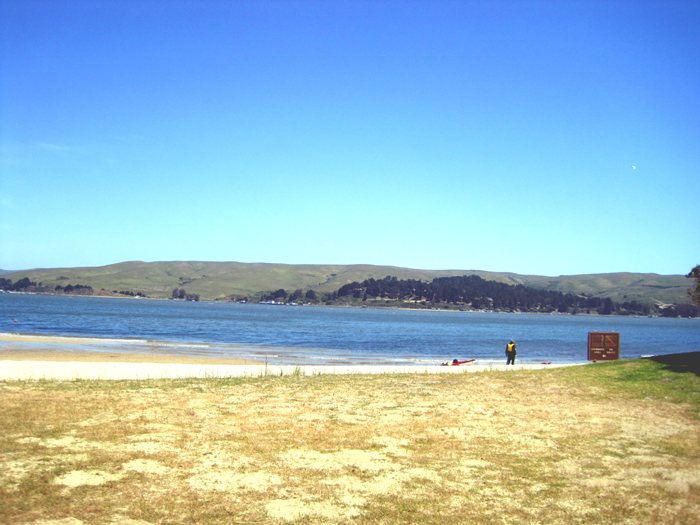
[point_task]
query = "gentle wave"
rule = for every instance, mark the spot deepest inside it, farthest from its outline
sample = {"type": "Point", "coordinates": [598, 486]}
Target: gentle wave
{"type": "Point", "coordinates": [75, 338]}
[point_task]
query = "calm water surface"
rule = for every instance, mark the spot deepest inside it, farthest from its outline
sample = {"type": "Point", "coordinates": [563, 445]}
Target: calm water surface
{"type": "Point", "coordinates": [317, 335]}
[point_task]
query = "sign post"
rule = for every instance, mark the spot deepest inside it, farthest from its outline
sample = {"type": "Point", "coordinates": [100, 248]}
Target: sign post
{"type": "Point", "coordinates": [603, 346]}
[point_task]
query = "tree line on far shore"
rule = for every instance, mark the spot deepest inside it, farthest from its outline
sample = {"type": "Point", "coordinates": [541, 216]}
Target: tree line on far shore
{"type": "Point", "coordinates": [297, 296]}
{"type": "Point", "coordinates": [470, 293]}
{"type": "Point", "coordinates": [474, 292]}
{"type": "Point", "coordinates": [26, 285]}
{"type": "Point", "coordinates": [181, 293]}
{"type": "Point", "coordinates": [19, 286]}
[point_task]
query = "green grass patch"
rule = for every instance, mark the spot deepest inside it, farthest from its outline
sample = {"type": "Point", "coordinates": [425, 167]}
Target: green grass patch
{"type": "Point", "coordinates": [677, 382]}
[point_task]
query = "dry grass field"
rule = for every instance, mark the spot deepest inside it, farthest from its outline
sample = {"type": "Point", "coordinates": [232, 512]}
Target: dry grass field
{"type": "Point", "coordinates": [605, 443]}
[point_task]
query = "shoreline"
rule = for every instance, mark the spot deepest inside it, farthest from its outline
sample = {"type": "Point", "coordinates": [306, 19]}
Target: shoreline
{"type": "Point", "coordinates": [54, 348]}
{"type": "Point", "coordinates": [154, 350]}
{"type": "Point", "coordinates": [360, 307]}
{"type": "Point", "coordinates": [54, 359]}
{"type": "Point", "coordinates": [58, 350]}
{"type": "Point", "coordinates": [77, 356]}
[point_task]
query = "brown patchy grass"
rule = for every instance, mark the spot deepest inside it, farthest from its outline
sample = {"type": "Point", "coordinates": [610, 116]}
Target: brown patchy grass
{"type": "Point", "coordinates": [584, 445]}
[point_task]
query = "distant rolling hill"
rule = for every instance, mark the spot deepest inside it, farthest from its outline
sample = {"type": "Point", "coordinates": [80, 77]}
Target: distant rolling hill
{"type": "Point", "coordinates": [216, 280]}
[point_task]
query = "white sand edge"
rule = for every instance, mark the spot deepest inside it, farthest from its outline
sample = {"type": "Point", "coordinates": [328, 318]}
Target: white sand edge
{"type": "Point", "coordinates": [33, 370]}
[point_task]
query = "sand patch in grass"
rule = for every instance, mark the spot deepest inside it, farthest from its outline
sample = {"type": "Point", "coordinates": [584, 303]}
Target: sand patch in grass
{"type": "Point", "coordinates": [234, 482]}
{"type": "Point", "coordinates": [91, 478]}
{"type": "Point", "coordinates": [294, 509]}
{"type": "Point", "coordinates": [146, 466]}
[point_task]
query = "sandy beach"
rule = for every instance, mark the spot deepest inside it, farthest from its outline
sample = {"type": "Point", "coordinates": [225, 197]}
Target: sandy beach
{"type": "Point", "coordinates": [31, 357]}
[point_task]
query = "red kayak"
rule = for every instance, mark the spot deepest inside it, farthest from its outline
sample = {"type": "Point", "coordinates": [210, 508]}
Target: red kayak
{"type": "Point", "coordinates": [457, 363]}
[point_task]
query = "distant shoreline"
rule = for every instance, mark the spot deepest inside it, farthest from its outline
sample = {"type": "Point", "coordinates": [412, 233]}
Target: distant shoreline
{"type": "Point", "coordinates": [359, 307]}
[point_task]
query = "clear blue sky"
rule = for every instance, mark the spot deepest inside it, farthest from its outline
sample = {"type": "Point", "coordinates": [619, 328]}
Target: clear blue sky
{"type": "Point", "coordinates": [490, 135]}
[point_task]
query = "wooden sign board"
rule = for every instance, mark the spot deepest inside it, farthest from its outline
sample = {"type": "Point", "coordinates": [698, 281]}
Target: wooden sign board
{"type": "Point", "coordinates": [603, 346]}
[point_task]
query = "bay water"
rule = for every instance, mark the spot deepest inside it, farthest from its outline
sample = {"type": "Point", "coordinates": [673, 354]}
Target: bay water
{"type": "Point", "coordinates": [325, 335]}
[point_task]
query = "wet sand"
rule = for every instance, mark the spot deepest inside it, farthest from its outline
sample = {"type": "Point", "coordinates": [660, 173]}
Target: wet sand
{"type": "Point", "coordinates": [20, 347]}
{"type": "Point", "coordinates": [22, 354]}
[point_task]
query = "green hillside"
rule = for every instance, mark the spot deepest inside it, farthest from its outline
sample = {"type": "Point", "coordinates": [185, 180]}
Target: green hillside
{"type": "Point", "coordinates": [648, 287]}
{"type": "Point", "coordinates": [216, 280]}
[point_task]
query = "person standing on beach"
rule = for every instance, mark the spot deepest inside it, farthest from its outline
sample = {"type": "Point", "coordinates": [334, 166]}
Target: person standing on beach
{"type": "Point", "coordinates": [510, 353]}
